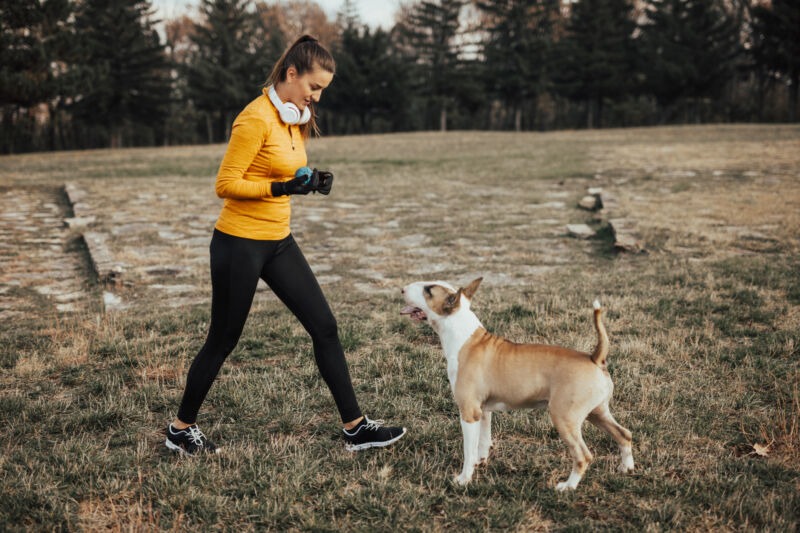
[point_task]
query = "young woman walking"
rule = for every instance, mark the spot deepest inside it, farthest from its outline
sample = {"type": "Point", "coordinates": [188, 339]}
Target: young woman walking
{"type": "Point", "coordinates": [263, 166]}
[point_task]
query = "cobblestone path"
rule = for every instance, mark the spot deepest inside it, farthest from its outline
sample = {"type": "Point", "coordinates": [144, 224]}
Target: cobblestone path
{"type": "Point", "coordinates": [43, 267]}
{"type": "Point", "coordinates": [373, 246]}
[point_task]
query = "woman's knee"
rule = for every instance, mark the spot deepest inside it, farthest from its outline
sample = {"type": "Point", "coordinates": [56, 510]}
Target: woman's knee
{"type": "Point", "coordinates": [221, 345]}
{"type": "Point", "coordinates": [325, 330]}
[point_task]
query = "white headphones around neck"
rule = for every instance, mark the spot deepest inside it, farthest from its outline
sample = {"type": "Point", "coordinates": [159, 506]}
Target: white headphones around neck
{"type": "Point", "coordinates": [290, 114]}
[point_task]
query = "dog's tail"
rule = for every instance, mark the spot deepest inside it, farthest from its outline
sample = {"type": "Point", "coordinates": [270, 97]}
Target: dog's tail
{"type": "Point", "coordinates": [601, 350]}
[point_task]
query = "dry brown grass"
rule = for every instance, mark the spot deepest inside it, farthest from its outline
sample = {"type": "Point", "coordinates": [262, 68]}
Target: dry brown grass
{"type": "Point", "coordinates": [704, 330]}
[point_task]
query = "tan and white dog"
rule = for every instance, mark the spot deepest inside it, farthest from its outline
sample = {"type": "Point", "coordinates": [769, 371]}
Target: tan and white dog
{"type": "Point", "coordinates": [488, 373]}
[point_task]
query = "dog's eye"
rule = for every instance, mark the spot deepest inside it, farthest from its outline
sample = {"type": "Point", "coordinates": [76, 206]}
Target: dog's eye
{"type": "Point", "coordinates": [428, 290]}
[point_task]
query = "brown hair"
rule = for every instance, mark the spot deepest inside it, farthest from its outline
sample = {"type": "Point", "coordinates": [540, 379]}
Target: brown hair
{"type": "Point", "coordinates": [303, 54]}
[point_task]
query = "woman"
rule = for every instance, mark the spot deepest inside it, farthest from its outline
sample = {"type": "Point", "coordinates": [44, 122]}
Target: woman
{"type": "Point", "coordinates": [263, 166]}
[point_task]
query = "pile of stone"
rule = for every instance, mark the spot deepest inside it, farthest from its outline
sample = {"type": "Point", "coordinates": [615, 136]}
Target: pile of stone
{"type": "Point", "coordinates": [605, 206]}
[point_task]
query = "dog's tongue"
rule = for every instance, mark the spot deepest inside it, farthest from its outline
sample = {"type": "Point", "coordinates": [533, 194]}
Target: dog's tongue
{"type": "Point", "coordinates": [414, 312]}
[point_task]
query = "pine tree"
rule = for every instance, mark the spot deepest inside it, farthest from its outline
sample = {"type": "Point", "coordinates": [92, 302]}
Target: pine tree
{"type": "Point", "coordinates": [126, 85]}
{"type": "Point", "coordinates": [689, 51]}
{"type": "Point", "coordinates": [518, 49]}
{"type": "Point", "coordinates": [431, 32]}
{"type": "Point", "coordinates": [596, 57]}
{"type": "Point", "coordinates": [35, 38]}
{"type": "Point", "coordinates": [232, 58]}
{"type": "Point", "coordinates": [777, 44]}
{"type": "Point", "coordinates": [371, 81]}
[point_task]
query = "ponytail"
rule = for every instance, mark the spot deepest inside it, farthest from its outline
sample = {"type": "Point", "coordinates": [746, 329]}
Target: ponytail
{"type": "Point", "coordinates": [304, 54]}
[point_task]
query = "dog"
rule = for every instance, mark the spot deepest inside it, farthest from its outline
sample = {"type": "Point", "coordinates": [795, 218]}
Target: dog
{"type": "Point", "coordinates": [488, 373]}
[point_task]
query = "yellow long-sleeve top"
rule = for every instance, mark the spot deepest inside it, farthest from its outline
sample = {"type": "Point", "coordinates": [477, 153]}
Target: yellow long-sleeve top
{"type": "Point", "coordinates": [262, 150]}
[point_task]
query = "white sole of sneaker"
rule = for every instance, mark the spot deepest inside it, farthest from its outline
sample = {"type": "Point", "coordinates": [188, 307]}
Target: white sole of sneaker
{"type": "Point", "coordinates": [172, 446]}
{"type": "Point", "coordinates": [357, 447]}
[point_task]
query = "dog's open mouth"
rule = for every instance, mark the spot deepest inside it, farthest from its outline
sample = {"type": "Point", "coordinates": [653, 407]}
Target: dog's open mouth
{"type": "Point", "coordinates": [414, 312]}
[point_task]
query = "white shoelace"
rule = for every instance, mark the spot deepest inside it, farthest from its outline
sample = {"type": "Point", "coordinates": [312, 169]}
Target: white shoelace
{"type": "Point", "coordinates": [369, 424]}
{"type": "Point", "coordinates": [196, 435]}
{"type": "Point", "coordinates": [373, 424]}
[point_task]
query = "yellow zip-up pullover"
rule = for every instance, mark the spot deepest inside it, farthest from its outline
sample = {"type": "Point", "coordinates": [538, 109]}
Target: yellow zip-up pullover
{"type": "Point", "coordinates": [261, 150]}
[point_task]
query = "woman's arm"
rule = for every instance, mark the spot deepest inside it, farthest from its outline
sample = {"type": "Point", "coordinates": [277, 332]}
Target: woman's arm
{"type": "Point", "coordinates": [247, 137]}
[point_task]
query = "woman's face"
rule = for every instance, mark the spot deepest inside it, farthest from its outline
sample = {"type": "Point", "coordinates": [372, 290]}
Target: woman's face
{"type": "Point", "coordinates": [301, 90]}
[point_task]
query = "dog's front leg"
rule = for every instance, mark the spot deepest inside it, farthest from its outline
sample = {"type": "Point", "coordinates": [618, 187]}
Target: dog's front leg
{"type": "Point", "coordinates": [471, 431]}
{"type": "Point", "coordinates": [485, 441]}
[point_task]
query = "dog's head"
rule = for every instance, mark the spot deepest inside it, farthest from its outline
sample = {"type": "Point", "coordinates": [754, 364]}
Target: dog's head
{"type": "Point", "coordinates": [436, 300]}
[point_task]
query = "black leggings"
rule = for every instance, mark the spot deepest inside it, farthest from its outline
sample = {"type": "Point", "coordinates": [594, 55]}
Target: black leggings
{"type": "Point", "coordinates": [236, 265]}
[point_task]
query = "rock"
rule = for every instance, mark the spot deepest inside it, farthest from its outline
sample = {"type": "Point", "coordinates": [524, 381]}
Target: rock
{"type": "Point", "coordinates": [74, 194]}
{"type": "Point", "coordinates": [625, 237]}
{"type": "Point", "coordinates": [408, 241]}
{"type": "Point", "coordinates": [372, 289]}
{"type": "Point", "coordinates": [173, 289]}
{"type": "Point", "coordinates": [431, 268]}
{"type": "Point", "coordinates": [589, 202]}
{"type": "Point", "coordinates": [552, 205]}
{"type": "Point", "coordinates": [79, 222]}
{"type": "Point", "coordinates": [111, 301]}
{"type": "Point", "coordinates": [369, 232]}
{"type": "Point", "coordinates": [582, 231]}
{"type": "Point", "coordinates": [102, 260]}
{"type": "Point", "coordinates": [594, 190]}
{"type": "Point", "coordinates": [608, 203]}
{"type": "Point", "coordinates": [164, 270]}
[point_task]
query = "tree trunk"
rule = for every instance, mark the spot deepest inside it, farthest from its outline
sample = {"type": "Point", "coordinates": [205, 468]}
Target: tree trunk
{"type": "Point", "coordinates": [590, 112]}
{"type": "Point", "coordinates": [795, 79]}
{"type": "Point", "coordinates": [166, 132]}
{"type": "Point", "coordinates": [53, 127]}
{"type": "Point", "coordinates": [209, 129]}
{"type": "Point", "coordinates": [599, 121]}
{"type": "Point", "coordinates": [761, 90]}
{"type": "Point", "coordinates": [443, 119]}
{"type": "Point", "coordinates": [518, 118]}
{"type": "Point", "coordinates": [116, 137]}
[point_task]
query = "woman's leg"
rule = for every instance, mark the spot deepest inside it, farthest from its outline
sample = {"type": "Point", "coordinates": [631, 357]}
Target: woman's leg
{"type": "Point", "coordinates": [235, 267]}
{"type": "Point", "coordinates": [292, 280]}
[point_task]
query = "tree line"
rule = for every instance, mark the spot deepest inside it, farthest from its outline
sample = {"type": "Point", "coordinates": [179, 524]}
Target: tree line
{"type": "Point", "coordinates": [105, 73]}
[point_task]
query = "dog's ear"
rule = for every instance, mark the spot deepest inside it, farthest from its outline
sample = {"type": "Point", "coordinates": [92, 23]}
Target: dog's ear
{"type": "Point", "coordinates": [452, 302]}
{"type": "Point", "coordinates": [470, 289]}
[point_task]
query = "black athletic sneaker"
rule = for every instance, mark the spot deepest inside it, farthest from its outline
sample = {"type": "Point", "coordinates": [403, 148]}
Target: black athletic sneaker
{"type": "Point", "coordinates": [370, 433]}
{"type": "Point", "coordinates": [189, 441]}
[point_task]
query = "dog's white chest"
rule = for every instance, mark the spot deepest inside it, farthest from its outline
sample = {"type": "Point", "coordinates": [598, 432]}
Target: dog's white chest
{"type": "Point", "coordinates": [454, 332]}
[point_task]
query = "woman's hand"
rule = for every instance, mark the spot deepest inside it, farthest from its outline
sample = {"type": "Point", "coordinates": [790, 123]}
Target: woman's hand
{"type": "Point", "coordinates": [325, 181]}
{"type": "Point", "coordinates": [305, 180]}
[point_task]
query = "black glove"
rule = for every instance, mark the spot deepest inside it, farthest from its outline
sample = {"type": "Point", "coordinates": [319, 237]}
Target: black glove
{"type": "Point", "coordinates": [300, 185]}
{"type": "Point", "coordinates": [325, 181]}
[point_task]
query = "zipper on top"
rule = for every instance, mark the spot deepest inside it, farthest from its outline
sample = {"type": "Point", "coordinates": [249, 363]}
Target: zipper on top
{"type": "Point", "coordinates": [291, 136]}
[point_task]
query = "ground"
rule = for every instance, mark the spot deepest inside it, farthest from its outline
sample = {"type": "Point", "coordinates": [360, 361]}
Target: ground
{"type": "Point", "coordinates": [704, 329]}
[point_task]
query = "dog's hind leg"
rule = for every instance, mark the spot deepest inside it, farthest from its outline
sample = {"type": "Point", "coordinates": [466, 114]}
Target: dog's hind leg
{"type": "Point", "coordinates": [603, 419]}
{"type": "Point", "coordinates": [485, 441]}
{"type": "Point", "coordinates": [570, 432]}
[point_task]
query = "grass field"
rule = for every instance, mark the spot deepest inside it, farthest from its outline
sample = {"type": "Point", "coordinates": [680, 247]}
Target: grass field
{"type": "Point", "coordinates": [704, 327]}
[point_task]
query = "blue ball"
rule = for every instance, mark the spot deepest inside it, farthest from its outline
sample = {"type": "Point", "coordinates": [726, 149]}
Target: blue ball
{"type": "Point", "coordinates": [303, 171]}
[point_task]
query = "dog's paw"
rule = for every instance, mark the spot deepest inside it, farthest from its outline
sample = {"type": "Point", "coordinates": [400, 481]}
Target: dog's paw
{"type": "Point", "coordinates": [623, 468]}
{"type": "Point", "coordinates": [564, 485]}
{"type": "Point", "coordinates": [462, 479]}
